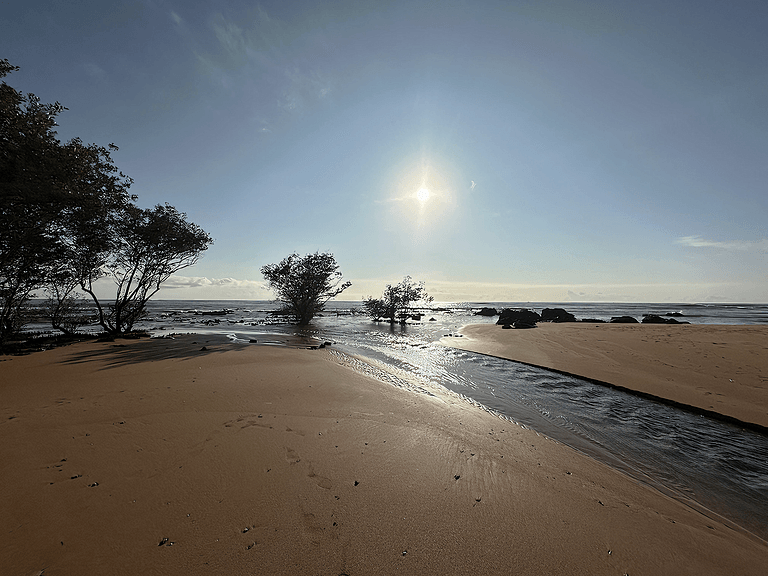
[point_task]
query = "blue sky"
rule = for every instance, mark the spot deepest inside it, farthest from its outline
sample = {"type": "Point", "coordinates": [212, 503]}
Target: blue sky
{"type": "Point", "coordinates": [572, 150]}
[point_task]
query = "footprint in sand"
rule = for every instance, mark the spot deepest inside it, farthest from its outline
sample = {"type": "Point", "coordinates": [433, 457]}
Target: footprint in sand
{"type": "Point", "coordinates": [246, 422]}
{"type": "Point", "coordinates": [311, 525]}
{"type": "Point", "coordinates": [321, 481]}
{"type": "Point", "coordinates": [291, 456]}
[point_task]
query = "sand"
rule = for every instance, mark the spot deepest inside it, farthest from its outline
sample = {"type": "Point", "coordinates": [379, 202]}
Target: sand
{"type": "Point", "coordinates": [157, 457]}
{"type": "Point", "coordinates": [714, 368]}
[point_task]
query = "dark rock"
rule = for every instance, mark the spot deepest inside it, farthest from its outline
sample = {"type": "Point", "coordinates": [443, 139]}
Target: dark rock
{"type": "Point", "coordinates": [675, 314]}
{"type": "Point", "coordinates": [556, 315]}
{"type": "Point", "coordinates": [655, 319]}
{"type": "Point", "coordinates": [506, 327]}
{"type": "Point", "coordinates": [522, 324]}
{"type": "Point", "coordinates": [624, 320]}
{"type": "Point", "coordinates": [253, 341]}
{"type": "Point", "coordinates": [593, 320]}
{"type": "Point", "coordinates": [510, 316]}
{"type": "Point", "coordinates": [135, 335]}
{"type": "Point", "coordinates": [487, 312]}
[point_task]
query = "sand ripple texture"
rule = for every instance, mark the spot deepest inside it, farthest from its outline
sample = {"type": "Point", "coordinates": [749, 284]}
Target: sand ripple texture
{"type": "Point", "coordinates": [699, 460]}
{"type": "Point", "coordinates": [708, 463]}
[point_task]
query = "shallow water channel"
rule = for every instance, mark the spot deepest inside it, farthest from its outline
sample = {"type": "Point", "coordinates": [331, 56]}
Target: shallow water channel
{"type": "Point", "coordinates": [699, 460]}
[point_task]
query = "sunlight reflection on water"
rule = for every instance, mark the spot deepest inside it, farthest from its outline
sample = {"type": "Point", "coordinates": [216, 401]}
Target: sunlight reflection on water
{"type": "Point", "coordinates": [718, 465]}
{"type": "Point", "coordinates": [715, 464]}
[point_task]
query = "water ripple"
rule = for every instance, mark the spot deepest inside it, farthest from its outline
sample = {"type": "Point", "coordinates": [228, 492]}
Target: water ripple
{"type": "Point", "coordinates": [690, 456]}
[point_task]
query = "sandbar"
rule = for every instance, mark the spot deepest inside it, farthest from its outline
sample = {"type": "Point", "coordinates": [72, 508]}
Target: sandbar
{"type": "Point", "coordinates": [161, 457]}
{"type": "Point", "coordinates": [720, 369]}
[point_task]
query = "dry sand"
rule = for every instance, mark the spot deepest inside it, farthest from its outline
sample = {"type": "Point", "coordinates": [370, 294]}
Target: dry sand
{"type": "Point", "coordinates": [715, 368]}
{"type": "Point", "coordinates": [157, 457]}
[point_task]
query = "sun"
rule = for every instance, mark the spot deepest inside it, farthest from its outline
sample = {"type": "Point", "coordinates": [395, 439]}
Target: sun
{"type": "Point", "coordinates": [423, 194]}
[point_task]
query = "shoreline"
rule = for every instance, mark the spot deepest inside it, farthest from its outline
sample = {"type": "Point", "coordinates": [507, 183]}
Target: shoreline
{"type": "Point", "coordinates": [192, 455]}
{"type": "Point", "coordinates": [717, 370]}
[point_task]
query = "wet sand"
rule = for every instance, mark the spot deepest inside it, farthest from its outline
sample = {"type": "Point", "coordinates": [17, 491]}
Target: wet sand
{"type": "Point", "coordinates": [715, 368]}
{"type": "Point", "coordinates": [157, 457]}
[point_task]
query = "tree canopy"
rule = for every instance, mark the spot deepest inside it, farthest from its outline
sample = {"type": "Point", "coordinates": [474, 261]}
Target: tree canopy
{"type": "Point", "coordinates": [397, 301]}
{"type": "Point", "coordinates": [67, 218]}
{"type": "Point", "coordinates": [148, 246]}
{"type": "Point", "coordinates": [305, 283]}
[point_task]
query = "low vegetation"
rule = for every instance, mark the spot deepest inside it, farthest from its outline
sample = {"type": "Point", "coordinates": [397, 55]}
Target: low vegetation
{"type": "Point", "coordinates": [397, 302]}
{"type": "Point", "coordinates": [305, 283]}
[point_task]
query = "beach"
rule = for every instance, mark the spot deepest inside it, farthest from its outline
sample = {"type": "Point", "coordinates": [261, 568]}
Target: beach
{"type": "Point", "coordinates": [195, 456]}
{"type": "Point", "coordinates": [719, 369]}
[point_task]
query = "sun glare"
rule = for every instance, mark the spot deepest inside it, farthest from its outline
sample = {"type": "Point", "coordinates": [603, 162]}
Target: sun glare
{"type": "Point", "coordinates": [423, 194]}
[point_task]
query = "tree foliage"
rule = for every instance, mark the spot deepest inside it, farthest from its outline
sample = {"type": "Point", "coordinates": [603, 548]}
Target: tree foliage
{"type": "Point", "coordinates": [147, 247]}
{"type": "Point", "coordinates": [67, 218]}
{"type": "Point", "coordinates": [397, 301]}
{"type": "Point", "coordinates": [49, 194]}
{"type": "Point", "coordinates": [63, 306]}
{"type": "Point", "coordinates": [305, 283]}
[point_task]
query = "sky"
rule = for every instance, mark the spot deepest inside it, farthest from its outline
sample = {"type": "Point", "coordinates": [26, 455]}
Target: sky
{"type": "Point", "coordinates": [540, 151]}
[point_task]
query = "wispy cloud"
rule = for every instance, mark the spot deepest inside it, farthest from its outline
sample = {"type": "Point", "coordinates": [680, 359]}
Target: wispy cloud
{"type": "Point", "coordinates": [453, 291]}
{"type": "Point", "coordinates": [230, 36]}
{"type": "Point", "coordinates": [201, 286]}
{"type": "Point", "coordinates": [258, 46]}
{"type": "Point", "coordinates": [94, 71]}
{"type": "Point", "coordinates": [699, 242]}
{"type": "Point", "coordinates": [176, 282]}
{"type": "Point", "coordinates": [473, 185]}
{"type": "Point", "coordinates": [301, 88]}
{"type": "Point", "coordinates": [176, 18]}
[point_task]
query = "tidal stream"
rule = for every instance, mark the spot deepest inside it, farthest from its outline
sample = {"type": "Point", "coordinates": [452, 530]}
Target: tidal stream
{"type": "Point", "coordinates": [707, 463]}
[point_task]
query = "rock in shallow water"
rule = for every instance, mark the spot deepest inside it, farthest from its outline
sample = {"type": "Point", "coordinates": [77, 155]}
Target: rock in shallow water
{"type": "Point", "coordinates": [624, 320]}
{"type": "Point", "coordinates": [510, 316]}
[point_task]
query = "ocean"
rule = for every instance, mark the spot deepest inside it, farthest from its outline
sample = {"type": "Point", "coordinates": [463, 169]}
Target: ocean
{"type": "Point", "coordinates": [254, 319]}
{"type": "Point", "coordinates": [258, 311]}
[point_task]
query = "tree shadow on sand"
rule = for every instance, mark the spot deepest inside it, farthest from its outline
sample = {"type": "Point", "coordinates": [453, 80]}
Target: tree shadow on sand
{"type": "Point", "coordinates": [122, 352]}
